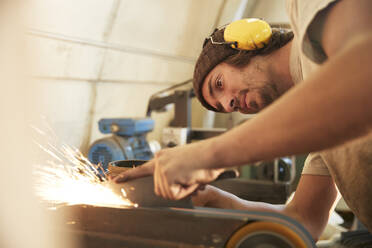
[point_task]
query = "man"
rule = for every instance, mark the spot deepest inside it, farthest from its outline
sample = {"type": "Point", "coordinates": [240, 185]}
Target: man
{"type": "Point", "coordinates": [330, 55]}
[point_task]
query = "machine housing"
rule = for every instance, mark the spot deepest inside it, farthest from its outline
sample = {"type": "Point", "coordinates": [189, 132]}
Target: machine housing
{"type": "Point", "coordinates": [128, 140]}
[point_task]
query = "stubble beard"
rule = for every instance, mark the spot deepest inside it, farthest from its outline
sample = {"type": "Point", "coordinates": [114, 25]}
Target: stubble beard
{"type": "Point", "coordinates": [267, 91]}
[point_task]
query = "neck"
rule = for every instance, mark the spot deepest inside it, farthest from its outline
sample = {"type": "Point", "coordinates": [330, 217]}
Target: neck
{"type": "Point", "coordinates": [280, 68]}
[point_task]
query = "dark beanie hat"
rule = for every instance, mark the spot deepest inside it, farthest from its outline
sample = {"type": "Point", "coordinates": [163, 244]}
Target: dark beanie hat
{"type": "Point", "coordinates": [210, 56]}
{"type": "Point", "coordinates": [213, 54]}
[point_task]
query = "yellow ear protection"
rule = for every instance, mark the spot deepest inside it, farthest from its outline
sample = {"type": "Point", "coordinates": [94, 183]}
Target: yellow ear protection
{"type": "Point", "coordinates": [246, 34]}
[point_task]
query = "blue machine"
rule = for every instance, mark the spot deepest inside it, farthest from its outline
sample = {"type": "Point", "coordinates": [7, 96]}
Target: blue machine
{"type": "Point", "coordinates": [127, 142]}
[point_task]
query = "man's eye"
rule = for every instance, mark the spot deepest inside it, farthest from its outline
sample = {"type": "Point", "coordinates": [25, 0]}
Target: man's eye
{"type": "Point", "coordinates": [219, 83]}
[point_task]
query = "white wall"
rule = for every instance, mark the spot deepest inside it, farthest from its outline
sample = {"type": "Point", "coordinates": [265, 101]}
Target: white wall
{"type": "Point", "coordinates": [104, 58]}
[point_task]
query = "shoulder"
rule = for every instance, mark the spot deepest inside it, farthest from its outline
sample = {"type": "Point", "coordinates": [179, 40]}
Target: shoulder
{"type": "Point", "coordinates": [324, 27]}
{"type": "Point", "coordinates": [340, 23]}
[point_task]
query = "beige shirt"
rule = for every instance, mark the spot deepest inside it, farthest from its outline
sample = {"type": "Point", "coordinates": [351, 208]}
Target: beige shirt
{"type": "Point", "coordinates": [305, 58]}
{"type": "Point", "coordinates": [350, 164]}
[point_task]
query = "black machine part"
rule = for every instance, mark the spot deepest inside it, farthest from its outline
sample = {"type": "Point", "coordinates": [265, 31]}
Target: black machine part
{"type": "Point", "coordinates": [141, 190]}
{"type": "Point", "coordinates": [182, 102]}
{"type": "Point", "coordinates": [98, 227]}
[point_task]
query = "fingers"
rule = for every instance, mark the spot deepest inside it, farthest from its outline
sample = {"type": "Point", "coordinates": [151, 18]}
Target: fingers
{"type": "Point", "coordinates": [201, 187]}
{"type": "Point", "coordinates": [156, 177]}
{"type": "Point", "coordinates": [186, 191]}
{"type": "Point", "coordinates": [161, 186]}
{"type": "Point", "coordinates": [166, 183]}
{"type": "Point", "coordinates": [199, 197]}
{"type": "Point", "coordinates": [165, 188]}
{"type": "Point", "coordinates": [140, 171]}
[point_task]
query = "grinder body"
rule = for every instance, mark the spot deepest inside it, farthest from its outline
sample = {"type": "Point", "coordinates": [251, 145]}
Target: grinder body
{"type": "Point", "coordinates": [141, 190]}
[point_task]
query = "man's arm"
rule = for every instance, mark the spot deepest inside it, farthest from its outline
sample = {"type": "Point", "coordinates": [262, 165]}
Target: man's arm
{"type": "Point", "coordinates": [330, 107]}
{"type": "Point", "coordinates": [313, 202]}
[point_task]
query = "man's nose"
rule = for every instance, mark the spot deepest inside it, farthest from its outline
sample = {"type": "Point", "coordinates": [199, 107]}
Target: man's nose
{"type": "Point", "coordinates": [231, 104]}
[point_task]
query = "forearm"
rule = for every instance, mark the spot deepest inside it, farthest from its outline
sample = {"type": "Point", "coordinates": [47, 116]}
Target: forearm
{"type": "Point", "coordinates": [220, 199]}
{"type": "Point", "coordinates": [329, 108]}
{"type": "Point", "coordinates": [241, 204]}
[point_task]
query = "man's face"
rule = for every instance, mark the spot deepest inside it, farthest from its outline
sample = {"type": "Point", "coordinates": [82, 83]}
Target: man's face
{"type": "Point", "coordinates": [248, 89]}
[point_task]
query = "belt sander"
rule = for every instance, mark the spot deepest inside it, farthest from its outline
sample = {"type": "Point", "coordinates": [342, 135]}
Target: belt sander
{"type": "Point", "coordinates": [157, 222]}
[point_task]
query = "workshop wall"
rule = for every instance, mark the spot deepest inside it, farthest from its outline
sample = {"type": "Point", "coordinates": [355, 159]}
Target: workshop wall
{"type": "Point", "coordinates": [105, 58]}
{"type": "Point", "coordinates": [101, 59]}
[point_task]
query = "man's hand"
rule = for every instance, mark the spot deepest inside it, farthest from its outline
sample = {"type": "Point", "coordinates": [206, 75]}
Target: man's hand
{"type": "Point", "coordinates": [146, 169]}
{"type": "Point", "coordinates": [176, 171]}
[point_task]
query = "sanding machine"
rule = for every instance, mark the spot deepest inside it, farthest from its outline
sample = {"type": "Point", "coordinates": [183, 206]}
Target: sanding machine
{"type": "Point", "coordinates": [181, 227]}
{"type": "Point", "coordinates": [157, 222]}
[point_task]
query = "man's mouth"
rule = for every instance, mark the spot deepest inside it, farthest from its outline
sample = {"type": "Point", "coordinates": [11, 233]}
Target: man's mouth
{"type": "Point", "coordinates": [253, 104]}
{"type": "Point", "coordinates": [242, 102]}
{"type": "Point", "coordinates": [247, 104]}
